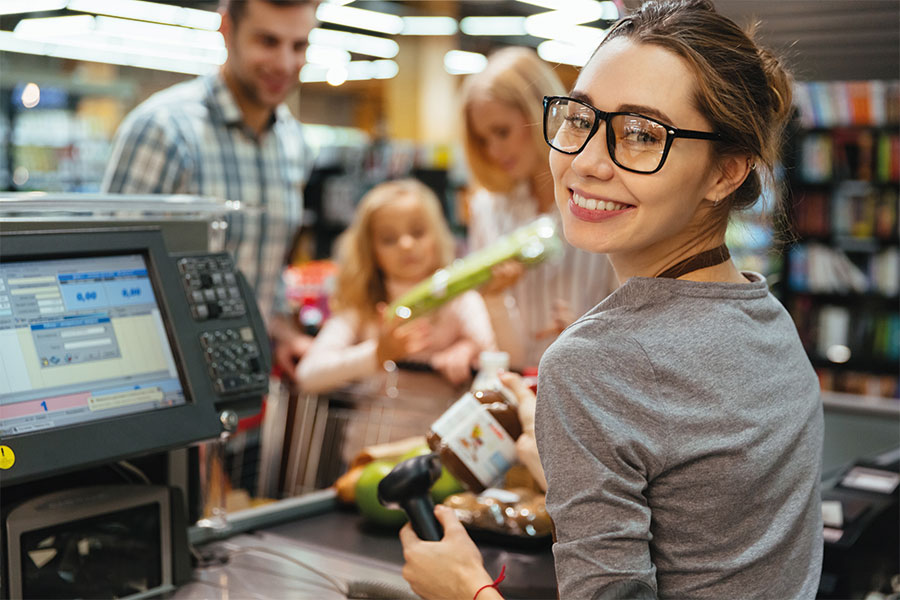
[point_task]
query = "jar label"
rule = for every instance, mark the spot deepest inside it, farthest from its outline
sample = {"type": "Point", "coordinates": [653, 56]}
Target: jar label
{"type": "Point", "coordinates": [477, 439]}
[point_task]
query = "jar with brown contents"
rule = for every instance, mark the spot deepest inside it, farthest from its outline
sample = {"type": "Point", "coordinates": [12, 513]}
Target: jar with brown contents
{"type": "Point", "coordinates": [475, 438]}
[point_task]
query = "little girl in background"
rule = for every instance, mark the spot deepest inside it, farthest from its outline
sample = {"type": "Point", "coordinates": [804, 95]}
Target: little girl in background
{"type": "Point", "coordinates": [398, 238]}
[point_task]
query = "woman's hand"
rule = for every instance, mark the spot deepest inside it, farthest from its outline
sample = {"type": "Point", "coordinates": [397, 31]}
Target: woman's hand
{"type": "Point", "coordinates": [450, 569]}
{"type": "Point", "coordinates": [526, 445]}
{"type": "Point", "coordinates": [503, 276]}
{"type": "Point", "coordinates": [455, 362]}
{"type": "Point", "coordinates": [398, 338]}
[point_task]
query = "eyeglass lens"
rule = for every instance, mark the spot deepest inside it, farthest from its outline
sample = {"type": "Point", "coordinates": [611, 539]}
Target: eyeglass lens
{"type": "Point", "coordinates": [633, 142]}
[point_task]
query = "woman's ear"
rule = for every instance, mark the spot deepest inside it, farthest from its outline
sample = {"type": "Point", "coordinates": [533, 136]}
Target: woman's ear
{"type": "Point", "coordinates": [730, 174]}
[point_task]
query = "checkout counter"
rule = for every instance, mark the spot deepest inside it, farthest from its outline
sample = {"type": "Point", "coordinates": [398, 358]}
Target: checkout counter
{"type": "Point", "coordinates": [143, 281]}
{"type": "Point", "coordinates": [128, 337]}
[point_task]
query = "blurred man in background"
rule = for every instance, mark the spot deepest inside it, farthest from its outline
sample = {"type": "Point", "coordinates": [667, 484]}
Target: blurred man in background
{"type": "Point", "coordinates": [229, 135]}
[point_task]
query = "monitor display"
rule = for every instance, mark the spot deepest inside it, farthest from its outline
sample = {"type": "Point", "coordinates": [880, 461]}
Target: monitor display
{"type": "Point", "coordinates": [100, 358]}
{"type": "Point", "coordinates": [81, 339]}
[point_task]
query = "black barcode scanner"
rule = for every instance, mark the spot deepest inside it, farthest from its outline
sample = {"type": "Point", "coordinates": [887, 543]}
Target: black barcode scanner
{"type": "Point", "coordinates": [408, 487]}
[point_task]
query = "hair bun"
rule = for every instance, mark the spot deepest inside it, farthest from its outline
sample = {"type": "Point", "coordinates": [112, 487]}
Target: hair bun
{"type": "Point", "coordinates": [780, 84]}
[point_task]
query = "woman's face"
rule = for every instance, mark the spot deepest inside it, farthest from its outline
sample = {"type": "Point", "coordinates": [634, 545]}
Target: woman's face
{"type": "Point", "coordinates": [406, 247]}
{"type": "Point", "coordinates": [640, 219]}
{"type": "Point", "coordinates": [505, 137]}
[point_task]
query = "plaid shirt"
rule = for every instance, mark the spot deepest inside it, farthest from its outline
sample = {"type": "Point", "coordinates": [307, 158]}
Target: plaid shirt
{"type": "Point", "coordinates": [190, 139]}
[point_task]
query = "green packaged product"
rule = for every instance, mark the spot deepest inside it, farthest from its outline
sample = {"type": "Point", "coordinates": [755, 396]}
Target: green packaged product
{"type": "Point", "coordinates": [530, 245]}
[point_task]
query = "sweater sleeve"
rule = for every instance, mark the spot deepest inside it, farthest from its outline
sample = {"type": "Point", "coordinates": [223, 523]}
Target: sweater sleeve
{"type": "Point", "coordinates": [597, 430]}
{"type": "Point", "coordinates": [336, 356]}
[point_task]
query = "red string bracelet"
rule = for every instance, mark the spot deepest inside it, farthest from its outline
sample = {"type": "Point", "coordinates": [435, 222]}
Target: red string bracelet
{"type": "Point", "coordinates": [494, 585]}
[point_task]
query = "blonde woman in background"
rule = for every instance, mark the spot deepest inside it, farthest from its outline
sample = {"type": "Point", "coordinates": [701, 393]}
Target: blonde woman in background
{"type": "Point", "coordinates": [507, 157]}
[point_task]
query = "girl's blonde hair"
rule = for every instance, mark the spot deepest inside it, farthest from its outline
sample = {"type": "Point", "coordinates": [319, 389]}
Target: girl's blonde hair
{"type": "Point", "coordinates": [360, 282]}
{"type": "Point", "coordinates": [519, 78]}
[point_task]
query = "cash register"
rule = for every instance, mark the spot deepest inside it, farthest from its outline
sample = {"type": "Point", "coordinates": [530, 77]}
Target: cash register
{"type": "Point", "coordinates": [111, 349]}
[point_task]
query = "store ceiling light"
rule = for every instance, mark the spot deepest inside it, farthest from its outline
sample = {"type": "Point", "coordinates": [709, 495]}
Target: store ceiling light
{"type": "Point", "coordinates": [573, 6]}
{"type": "Point", "coordinates": [31, 95]}
{"type": "Point", "coordinates": [157, 33]}
{"type": "Point", "coordinates": [359, 18]}
{"type": "Point", "coordinates": [91, 51]}
{"type": "Point", "coordinates": [459, 62]}
{"type": "Point", "coordinates": [554, 25]}
{"type": "Point", "coordinates": [493, 25]}
{"type": "Point", "coordinates": [429, 26]}
{"type": "Point", "coordinates": [11, 7]}
{"type": "Point", "coordinates": [355, 42]}
{"type": "Point", "coordinates": [49, 27]}
{"type": "Point", "coordinates": [335, 76]}
{"type": "Point", "coordinates": [555, 51]}
{"type": "Point", "coordinates": [326, 55]}
{"type": "Point", "coordinates": [357, 70]}
{"type": "Point", "coordinates": [113, 34]}
{"type": "Point", "coordinates": [150, 11]}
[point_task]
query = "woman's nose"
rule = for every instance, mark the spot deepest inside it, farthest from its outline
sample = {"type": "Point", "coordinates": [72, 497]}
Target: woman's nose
{"type": "Point", "coordinates": [594, 159]}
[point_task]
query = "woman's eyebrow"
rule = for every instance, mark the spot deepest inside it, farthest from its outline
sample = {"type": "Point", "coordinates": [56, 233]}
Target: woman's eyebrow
{"type": "Point", "coordinates": [648, 111]}
{"type": "Point", "coordinates": [576, 95]}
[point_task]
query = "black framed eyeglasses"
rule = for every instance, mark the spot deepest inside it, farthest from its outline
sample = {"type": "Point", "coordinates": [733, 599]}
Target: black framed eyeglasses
{"type": "Point", "coordinates": [635, 142]}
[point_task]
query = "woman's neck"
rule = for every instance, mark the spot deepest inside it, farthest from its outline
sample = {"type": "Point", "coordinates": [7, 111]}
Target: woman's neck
{"type": "Point", "coordinates": [650, 262]}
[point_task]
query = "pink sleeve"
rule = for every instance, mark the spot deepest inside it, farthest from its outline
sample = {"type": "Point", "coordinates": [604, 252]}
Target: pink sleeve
{"type": "Point", "coordinates": [475, 323]}
{"type": "Point", "coordinates": [337, 356]}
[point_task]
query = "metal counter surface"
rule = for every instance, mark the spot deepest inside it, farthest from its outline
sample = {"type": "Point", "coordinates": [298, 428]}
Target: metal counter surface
{"type": "Point", "coordinates": [338, 542]}
{"type": "Point", "coordinates": [529, 573]}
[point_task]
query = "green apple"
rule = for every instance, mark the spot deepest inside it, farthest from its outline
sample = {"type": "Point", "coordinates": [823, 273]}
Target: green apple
{"type": "Point", "coordinates": [446, 483]}
{"type": "Point", "coordinates": [367, 495]}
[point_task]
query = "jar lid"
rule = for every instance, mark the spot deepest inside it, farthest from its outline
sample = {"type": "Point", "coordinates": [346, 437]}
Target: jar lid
{"type": "Point", "coordinates": [490, 359]}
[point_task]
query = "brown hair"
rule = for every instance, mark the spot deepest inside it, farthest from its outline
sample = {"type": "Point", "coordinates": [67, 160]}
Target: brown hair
{"type": "Point", "coordinates": [360, 282]}
{"type": "Point", "coordinates": [236, 9]}
{"type": "Point", "coordinates": [742, 89]}
{"type": "Point", "coordinates": [514, 76]}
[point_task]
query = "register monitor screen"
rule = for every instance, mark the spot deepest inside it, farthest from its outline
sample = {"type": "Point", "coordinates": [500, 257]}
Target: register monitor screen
{"type": "Point", "coordinates": [81, 339]}
{"type": "Point", "coordinates": [98, 355]}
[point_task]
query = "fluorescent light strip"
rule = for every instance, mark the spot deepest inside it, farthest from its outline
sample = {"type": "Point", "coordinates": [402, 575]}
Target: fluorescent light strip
{"type": "Point", "coordinates": [12, 7]}
{"type": "Point", "coordinates": [356, 70]}
{"type": "Point", "coordinates": [146, 60]}
{"type": "Point", "coordinates": [52, 26]}
{"type": "Point", "coordinates": [493, 25]}
{"type": "Point", "coordinates": [326, 55]}
{"type": "Point", "coordinates": [555, 51]}
{"type": "Point", "coordinates": [360, 18]}
{"type": "Point", "coordinates": [355, 42]}
{"type": "Point", "coordinates": [459, 62]}
{"type": "Point", "coordinates": [85, 30]}
{"type": "Point", "coordinates": [554, 25]}
{"type": "Point", "coordinates": [429, 26]}
{"type": "Point", "coordinates": [150, 11]}
{"type": "Point", "coordinates": [570, 6]}
{"type": "Point", "coordinates": [154, 32]}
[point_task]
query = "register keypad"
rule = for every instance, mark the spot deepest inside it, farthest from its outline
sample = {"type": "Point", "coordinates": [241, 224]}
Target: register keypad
{"type": "Point", "coordinates": [233, 359]}
{"type": "Point", "coordinates": [211, 287]}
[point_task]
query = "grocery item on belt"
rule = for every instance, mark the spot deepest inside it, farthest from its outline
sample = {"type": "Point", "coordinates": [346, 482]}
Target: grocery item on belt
{"type": "Point", "coordinates": [529, 245]}
{"type": "Point", "coordinates": [518, 512]}
{"type": "Point", "coordinates": [476, 438]}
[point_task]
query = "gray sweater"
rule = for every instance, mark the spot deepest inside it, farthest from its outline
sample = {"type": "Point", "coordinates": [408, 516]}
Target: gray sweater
{"type": "Point", "coordinates": [680, 427]}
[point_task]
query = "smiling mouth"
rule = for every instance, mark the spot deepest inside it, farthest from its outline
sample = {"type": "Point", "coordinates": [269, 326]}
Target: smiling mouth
{"type": "Point", "coordinates": [597, 205]}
